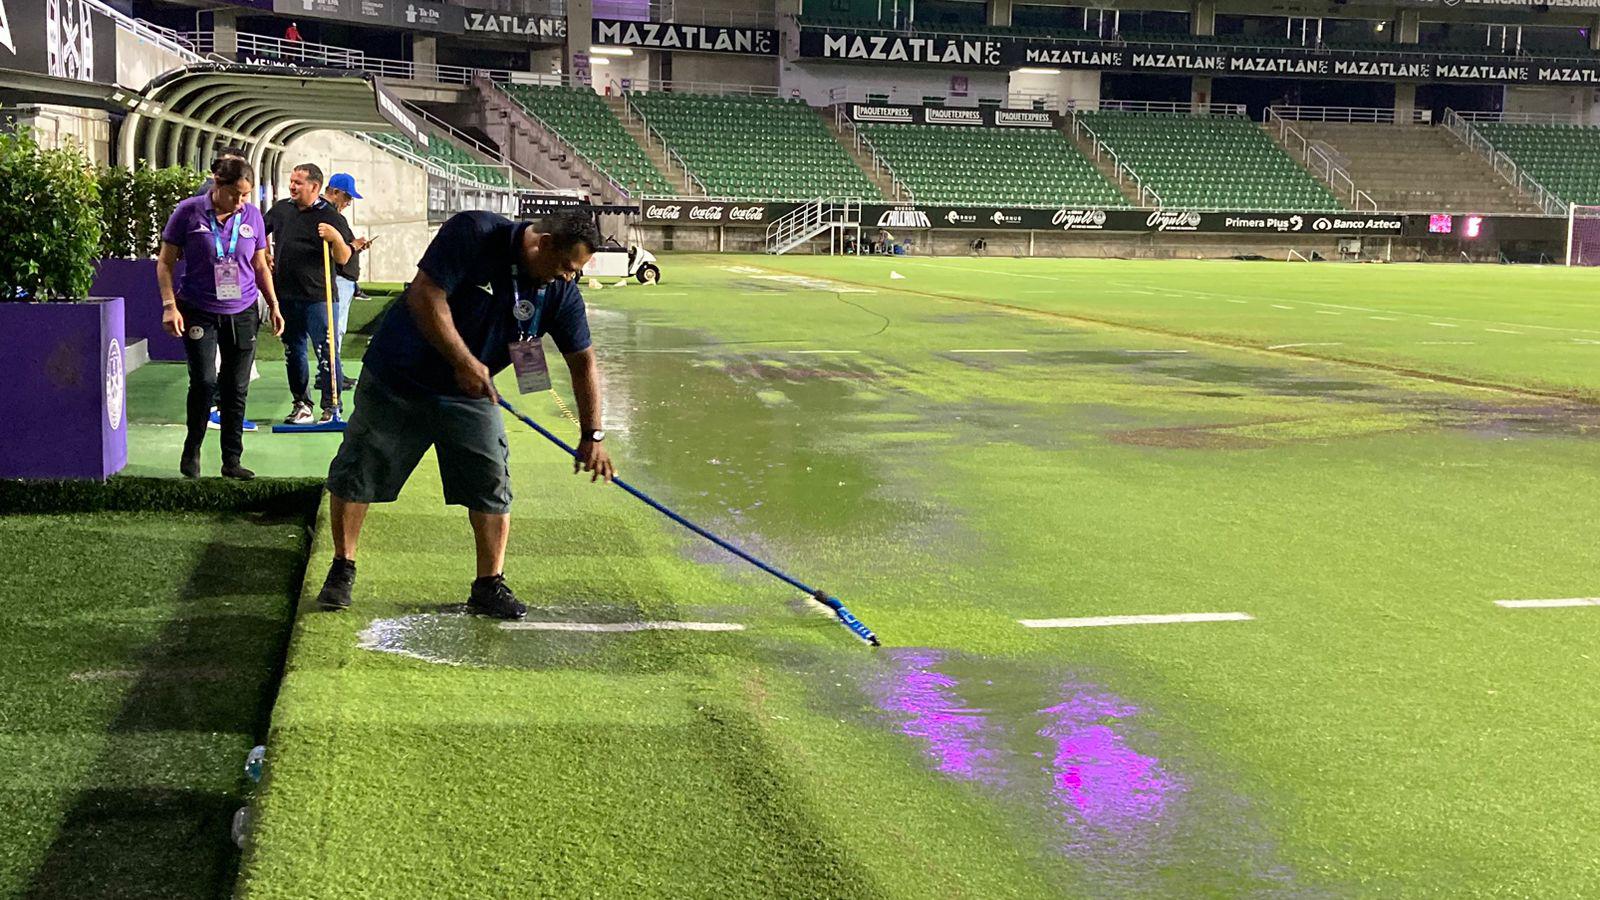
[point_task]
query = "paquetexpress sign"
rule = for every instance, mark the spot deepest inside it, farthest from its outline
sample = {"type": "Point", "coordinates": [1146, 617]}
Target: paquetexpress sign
{"type": "Point", "coordinates": [938, 115]}
{"type": "Point", "coordinates": [822, 43]}
{"type": "Point", "coordinates": [699, 38]}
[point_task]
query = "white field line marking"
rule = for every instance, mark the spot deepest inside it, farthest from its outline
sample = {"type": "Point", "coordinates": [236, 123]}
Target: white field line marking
{"type": "Point", "coordinates": [1368, 309]}
{"type": "Point", "coordinates": [1155, 351]}
{"type": "Point", "coordinates": [1281, 306]}
{"type": "Point", "coordinates": [1584, 341]}
{"type": "Point", "coordinates": [934, 265]}
{"type": "Point", "coordinates": [1383, 318]}
{"type": "Point", "coordinates": [1447, 343]}
{"type": "Point", "coordinates": [1548, 604]}
{"type": "Point", "coordinates": [1000, 350]}
{"type": "Point", "coordinates": [1231, 300]}
{"type": "Point", "coordinates": [1501, 331]}
{"type": "Point", "coordinates": [1324, 312]}
{"type": "Point", "coordinates": [1443, 325]}
{"type": "Point", "coordinates": [1316, 344]}
{"type": "Point", "coordinates": [609, 627]}
{"type": "Point", "coordinates": [1098, 621]}
{"type": "Point", "coordinates": [824, 351]}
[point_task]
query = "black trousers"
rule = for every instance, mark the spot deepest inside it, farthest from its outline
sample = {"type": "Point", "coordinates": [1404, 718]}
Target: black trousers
{"type": "Point", "coordinates": [235, 335]}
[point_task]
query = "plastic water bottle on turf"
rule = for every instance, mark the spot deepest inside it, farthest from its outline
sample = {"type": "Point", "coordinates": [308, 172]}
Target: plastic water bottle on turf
{"type": "Point", "coordinates": [241, 826]}
{"type": "Point", "coordinates": [254, 762]}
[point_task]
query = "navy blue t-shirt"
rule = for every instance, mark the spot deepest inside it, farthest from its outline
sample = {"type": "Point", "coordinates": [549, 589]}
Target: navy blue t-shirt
{"type": "Point", "coordinates": [473, 259]}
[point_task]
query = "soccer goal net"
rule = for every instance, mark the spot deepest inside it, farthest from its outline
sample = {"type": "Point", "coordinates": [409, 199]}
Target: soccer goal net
{"type": "Point", "coordinates": [1583, 236]}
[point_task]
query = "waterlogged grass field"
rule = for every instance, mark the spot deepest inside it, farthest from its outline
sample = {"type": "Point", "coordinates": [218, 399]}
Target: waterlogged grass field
{"type": "Point", "coordinates": [1361, 460]}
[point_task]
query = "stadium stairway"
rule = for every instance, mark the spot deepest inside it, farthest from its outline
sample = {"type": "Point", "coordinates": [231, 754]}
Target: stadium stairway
{"type": "Point", "coordinates": [1129, 191]}
{"type": "Point", "coordinates": [861, 157]}
{"type": "Point", "coordinates": [534, 146]}
{"type": "Point", "coordinates": [684, 185]}
{"type": "Point", "coordinates": [1415, 168]}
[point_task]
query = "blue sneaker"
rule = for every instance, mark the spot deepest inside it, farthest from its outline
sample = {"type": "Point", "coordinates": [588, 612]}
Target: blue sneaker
{"type": "Point", "coordinates": [215, 422]}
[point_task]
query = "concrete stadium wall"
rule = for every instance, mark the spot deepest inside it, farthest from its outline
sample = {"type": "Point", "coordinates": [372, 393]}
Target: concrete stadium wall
{"type": "Point", "coordinates": [903, 84]}
{"type": "Point", "coordinates": [61, 126]}
{"type": "Point", "coordinates": [139, 61]}
{"type": "Point", "coordinates": [395, 203]}
{"type": "Point", "coordinates": [724, 67]}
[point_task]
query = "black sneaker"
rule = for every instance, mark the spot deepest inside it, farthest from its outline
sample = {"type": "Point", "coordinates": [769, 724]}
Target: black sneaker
{"type": "Point", "coordinates": [234, 470]}
{"type": "Point", "coordinates": [336, 587]}
{"type": "Point", "coordinates": [491, 596]}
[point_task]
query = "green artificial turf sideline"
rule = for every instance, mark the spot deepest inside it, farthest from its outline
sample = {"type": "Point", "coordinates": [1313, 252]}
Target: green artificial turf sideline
{"type": "Point", "coordinates": [974, 443]}
{"type": "Point", "coordinates": [142, 631]}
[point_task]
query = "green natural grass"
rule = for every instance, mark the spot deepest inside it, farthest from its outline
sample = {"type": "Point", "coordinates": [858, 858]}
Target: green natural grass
{"type": "Point", "coordinates": [1380, 727]}
{"type": "Point", "coordinates": [140, 651]}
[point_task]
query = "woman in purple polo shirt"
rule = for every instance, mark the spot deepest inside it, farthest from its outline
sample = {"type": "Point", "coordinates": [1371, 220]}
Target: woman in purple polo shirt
{"type": "Point", "coordinates": [214, 307]}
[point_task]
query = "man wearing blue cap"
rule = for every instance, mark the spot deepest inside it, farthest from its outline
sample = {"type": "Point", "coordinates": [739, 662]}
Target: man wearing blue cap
{"type": "Point", "coordinates": [340, 192]}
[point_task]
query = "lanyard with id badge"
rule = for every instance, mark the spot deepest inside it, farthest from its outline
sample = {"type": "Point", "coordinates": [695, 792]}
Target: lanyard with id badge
{"type": "Point", "coordinates": [226, 267]}
{"type": "Point", "coordinates": [527, 351]}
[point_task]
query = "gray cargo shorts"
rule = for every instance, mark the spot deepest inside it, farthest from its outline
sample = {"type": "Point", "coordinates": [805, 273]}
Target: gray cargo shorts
{"type": "Point", "coordinates": [389, 432]}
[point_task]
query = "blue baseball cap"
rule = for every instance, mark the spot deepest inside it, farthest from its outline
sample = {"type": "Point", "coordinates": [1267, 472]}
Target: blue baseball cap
{"type": "Point", "coordinates": [344, 181]}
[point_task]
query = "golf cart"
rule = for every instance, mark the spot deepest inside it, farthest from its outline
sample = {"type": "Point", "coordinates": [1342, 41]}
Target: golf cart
{"type": "Point", "coordinates": [614, 260]}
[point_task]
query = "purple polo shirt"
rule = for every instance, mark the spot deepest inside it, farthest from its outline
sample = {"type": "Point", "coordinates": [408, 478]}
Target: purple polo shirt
{"type": "Point", "coordinates": [190, 230]}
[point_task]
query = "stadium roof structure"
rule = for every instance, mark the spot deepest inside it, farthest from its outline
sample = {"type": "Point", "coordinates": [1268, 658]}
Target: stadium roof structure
{"type": "Point", "coordinates": [178, 117]}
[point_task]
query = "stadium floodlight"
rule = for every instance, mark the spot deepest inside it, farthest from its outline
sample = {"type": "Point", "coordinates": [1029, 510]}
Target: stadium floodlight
{"type": "Point", "coordinates": [1583, 235]}
{"type": "Point", "coordinates": [1034, 70]}
{"type": "Point", "coordinates": [612, 51]}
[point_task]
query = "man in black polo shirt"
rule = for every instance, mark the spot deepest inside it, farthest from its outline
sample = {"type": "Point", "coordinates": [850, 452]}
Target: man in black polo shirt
{"type": "Point", "coordinates": [484, 292]}
{"type": "Point", "coordinates": [299, 226]}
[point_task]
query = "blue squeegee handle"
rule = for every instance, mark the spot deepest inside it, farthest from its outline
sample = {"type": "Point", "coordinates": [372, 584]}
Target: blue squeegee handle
{"type": "Point", "coordinates": [845, 616]}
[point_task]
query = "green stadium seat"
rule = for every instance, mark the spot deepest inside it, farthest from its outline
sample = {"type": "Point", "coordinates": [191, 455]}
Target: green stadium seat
{"type": "Point", "coordinates": [991, 166]}
{"type": "Point", "coordinates": [446, 155]}
{"type": "Point", "coordinates": [1563, 158]}
{"type": "Point", "coordinates": [1210, 162]}
{"type": "Point", "coordinates": [582, 118]}
{"type": "Point", "coordinates": [745, 147]}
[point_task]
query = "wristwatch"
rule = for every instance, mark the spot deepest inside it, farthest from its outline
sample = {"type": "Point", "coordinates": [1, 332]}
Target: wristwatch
{"type": "Point", "coordinates": [595, 435]}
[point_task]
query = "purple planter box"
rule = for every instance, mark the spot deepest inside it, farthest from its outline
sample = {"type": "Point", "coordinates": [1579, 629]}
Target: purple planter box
{"type": "Point", "coordinates": [63, 390]}
{"type": "Point", "coordinates": [134, 280]}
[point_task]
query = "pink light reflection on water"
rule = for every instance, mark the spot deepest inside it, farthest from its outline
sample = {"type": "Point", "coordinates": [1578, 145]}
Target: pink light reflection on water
{"type": "Point", "coordinates": [1096, 777]}
{"type": "Point", "coordinates": [955, 737]}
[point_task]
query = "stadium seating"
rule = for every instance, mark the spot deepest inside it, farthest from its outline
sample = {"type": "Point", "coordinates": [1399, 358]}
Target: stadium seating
{"type": "Point", "coordinates": [754, 147]}
{"type": "Point", "coordinates": [984, 166]}
{"type": "Point", "coordinates": [582, 118]}
{"type": "Point", "coordinates": [445, 155]}
{"type": "Point", "coordinates": [1563, 158]}
{"type": "Point", "coordinates": [1210, 162]}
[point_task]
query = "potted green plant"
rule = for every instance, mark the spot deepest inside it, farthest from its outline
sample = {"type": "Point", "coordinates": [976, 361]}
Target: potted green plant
{"type": "Point", "coordinates": [62, 385]}
{"type": "Point", "coordinates": [135, 204]}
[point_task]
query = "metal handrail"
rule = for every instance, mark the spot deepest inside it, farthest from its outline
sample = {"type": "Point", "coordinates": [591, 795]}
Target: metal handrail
{"type": "Point", "coordinates": [800, 224]}
{"type": "Point", "coordinates": [616, 186]}
{"type": "Point", "coordinates": [1525, 118]}
{"type": "Point", "coordinates": [1345, 114]}
{"type": "Point", "coordinates": [717, 88]}
{"type": "Point", "coordinates": [880, 164]}
{"type": "Point", "coordinates": [1333, 173]}
{"type": "Point", "coordinates": [672, 11]}
{"type": "Point", "coordinates": [166, 38]}
{"type": "Point", "coordinates": [666, 149]}
{"type": "Point", "coordinates": [1503, 165]}
{"type": "Point", "coordinates": [461, 137]}
{"type": "Point", "coordinates": [1157, 106]}
{"type": "Point", "coordinates": [1118, 167]}
{"type": "Point", "coordinates": [443, 170]}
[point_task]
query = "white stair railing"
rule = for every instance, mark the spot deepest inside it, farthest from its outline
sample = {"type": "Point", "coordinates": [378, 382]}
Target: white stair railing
{"type": "Point", "coordinates": [1502, 164]}
{"type": "Point", "coordinates": [811, 219]}
{"type": "Point", "coordinates": [1320, 163]}
{"type": "Point", "coordinates": [880, 166]}
{"type": "Point", "coordinates": [1124, 172]}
